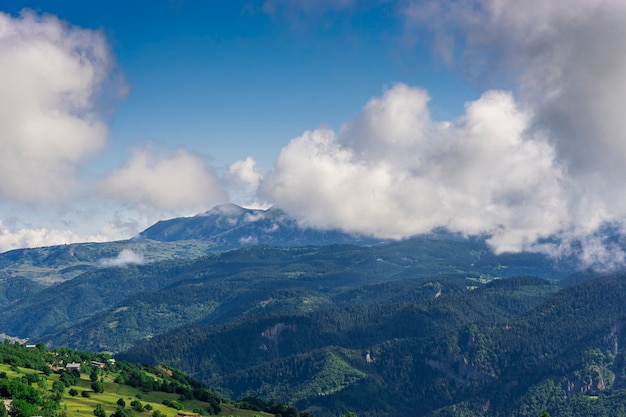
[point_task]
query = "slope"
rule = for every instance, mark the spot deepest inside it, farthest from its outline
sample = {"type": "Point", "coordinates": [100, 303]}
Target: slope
{"type": "Point", "coordinates": [144, 301]}
{"type": "Point", "coordinates": [327, 353]}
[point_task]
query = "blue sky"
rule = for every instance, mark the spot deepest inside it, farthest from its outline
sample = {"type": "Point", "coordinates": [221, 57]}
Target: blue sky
{"type": "Point", "coordinates": [228, 80]}
{"type": "Point", "coordinates": [384, 117]}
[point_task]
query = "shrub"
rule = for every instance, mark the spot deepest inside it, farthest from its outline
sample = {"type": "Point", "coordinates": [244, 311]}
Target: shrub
{"type": "Point", "coordinates": [97, 387]}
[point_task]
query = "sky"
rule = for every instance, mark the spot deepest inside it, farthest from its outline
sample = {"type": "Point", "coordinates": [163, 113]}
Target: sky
{"type": "Point", "coordinates": [493, 118]}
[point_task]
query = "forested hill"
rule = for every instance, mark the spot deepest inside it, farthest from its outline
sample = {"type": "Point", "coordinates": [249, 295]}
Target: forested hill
{"type": "Point", "coordinates": [510, 348]}
{"type": "Point", "coordinates": [113, 308]}
{"type": "Point", "coordinates": [65, 383]}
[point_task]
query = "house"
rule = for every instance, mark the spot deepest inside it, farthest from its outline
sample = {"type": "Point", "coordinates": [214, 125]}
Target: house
{"type": "Point", "coordinates": [98, 364]}
{"type": "Point", "coordinates": [73, 366]}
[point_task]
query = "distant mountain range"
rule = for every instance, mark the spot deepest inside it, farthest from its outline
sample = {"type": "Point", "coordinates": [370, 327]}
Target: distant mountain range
{"type": "Point", "coordinates": [253, 304]}
{"type": "Point", "coordinates": [222, 228]}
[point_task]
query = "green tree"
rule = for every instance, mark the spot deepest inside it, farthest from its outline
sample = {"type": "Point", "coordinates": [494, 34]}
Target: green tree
{"type": "Point", "coordinates": [58, 388]}
{"type": "Point", "coordinates": [123, 412]}
{"type": "Point", "coordinates": [21, 408]}
{"type": "Point", "coordinates": [99, 411]}
{"type": "Point", "coordinates": [69, 378]}
{"type": "Point", "coordinates": [136, 405]}
{"type": "Point", "coordinates": [121, 403]}
{"type": "Point", "coordinates": [97, 386]}
{"type": "Point", "coordinates": [73, 392]}
{"type": "Point", "coordinates": [93, 376]}
{"type": "Point", "coordinates": [31, 378]}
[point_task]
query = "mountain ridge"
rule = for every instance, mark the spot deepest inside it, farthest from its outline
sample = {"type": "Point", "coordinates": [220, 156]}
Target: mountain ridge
{"type": "Point", "coordinates": [231, 226]}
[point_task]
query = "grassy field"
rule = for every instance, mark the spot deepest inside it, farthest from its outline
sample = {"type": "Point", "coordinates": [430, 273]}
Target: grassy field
{"type": "Point", "coordinates": [79, 406]}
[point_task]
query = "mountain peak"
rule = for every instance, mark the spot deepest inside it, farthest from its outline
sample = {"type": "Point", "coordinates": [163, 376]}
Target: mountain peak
{"type": "Point", "coordinates": [229, 226]}
{"type": "Point", "coordinates": [228, 209]}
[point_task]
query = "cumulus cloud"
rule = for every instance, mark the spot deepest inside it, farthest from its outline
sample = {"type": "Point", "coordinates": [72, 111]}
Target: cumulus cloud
{"type": "Point", "coordinates": [242, 180]}
{"type": "Point", "coordinates": [536, 163]}
{"type": "Point", "coordinates": [125, 257]}
{"type": "Point", "coordinates": [51, 76]}
{"type": "Point", "coordinates": [394, 172]}
{"type": "Point", "coordinates": [567, 61]}
{"type": "Point", "coordinates": [159, 179]}
{"type": "Point", "coordinates": [244, 172]}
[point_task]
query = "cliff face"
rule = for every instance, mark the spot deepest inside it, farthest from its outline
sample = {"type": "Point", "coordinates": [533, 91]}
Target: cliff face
{"type": "Point", "coordinates": [272, 335]}
{"type": "Point", "coordinates": [458, 368]}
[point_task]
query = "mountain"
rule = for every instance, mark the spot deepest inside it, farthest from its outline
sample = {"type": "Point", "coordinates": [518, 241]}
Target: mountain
{"type": "Point", "coordinates": [514, 347]}
{"type": "Point", "coordinates": [52, 265]}
{"type": "Point", "coordinates": [112, 308]}
{"type": "Point", "coordinates": [230, 226]}
{"type": "Point", "coordinates": [254, 305]}
{"type": "Point", "coordinates": [222, 228]}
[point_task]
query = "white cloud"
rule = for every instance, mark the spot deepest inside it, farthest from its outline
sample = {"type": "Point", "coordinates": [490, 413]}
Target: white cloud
{"type": "Point", "coordinates": [394, 173]}
{"type": "Point", "coordinates": [159, 179]}
{"type": "Point", "coordinates": [242, 180]}
{"type": "Point", "coordinates": [248, 241]}
{"type": "Point", "coordinates": [125, 257]}
{"type": "Point", "coordinates": [567, 62]}
{"type": "Point", "coordinates": [51, 75]}
{"type": "Point", "coordinates": [244, 172]}
{"type": "Point", "coordinates": [12, 237]}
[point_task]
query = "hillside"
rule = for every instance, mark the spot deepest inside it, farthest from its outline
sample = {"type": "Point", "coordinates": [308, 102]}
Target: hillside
{"type": "Point", "coordinates": [114, 308]}
{"type": "Point", "coordinates": [52, 265]}
{"type": "Point", "coordinates": [490, 351]}
{"type": "Point", "coordinates": [380, 328]}
{"type": "Point", "coordinates": [324, 354]}
{"type": "Point", "coordinates": [36, 381]}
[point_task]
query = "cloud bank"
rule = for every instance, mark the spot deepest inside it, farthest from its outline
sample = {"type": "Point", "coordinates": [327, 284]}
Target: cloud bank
{"type": "Point", "coordinates": [394, 172]}
{"type": "Point", "coordinates": [51, 74]}
{"type": "Point", "coordinates": [535, 163]}
{"type": "Point", "coordinates": [28, 237]}
{"type": "Point", "coordinates": [567, 61]}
